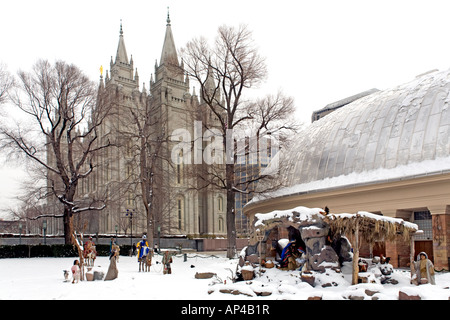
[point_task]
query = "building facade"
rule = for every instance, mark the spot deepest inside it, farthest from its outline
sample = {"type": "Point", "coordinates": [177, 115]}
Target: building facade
{"type": "Point", "coordinates": [141, 127]}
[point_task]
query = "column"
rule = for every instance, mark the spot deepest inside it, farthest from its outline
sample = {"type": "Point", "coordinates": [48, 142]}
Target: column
{"type": "Point", "coordinates": [440, 216]}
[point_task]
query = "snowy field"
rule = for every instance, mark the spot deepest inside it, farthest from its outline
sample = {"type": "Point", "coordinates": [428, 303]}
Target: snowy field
{"type": "Point", "coordinates": [42, 278]}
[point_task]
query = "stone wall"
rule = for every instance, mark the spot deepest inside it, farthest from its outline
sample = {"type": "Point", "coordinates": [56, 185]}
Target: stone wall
{"type": "Point", "coordinates": [441, 241]}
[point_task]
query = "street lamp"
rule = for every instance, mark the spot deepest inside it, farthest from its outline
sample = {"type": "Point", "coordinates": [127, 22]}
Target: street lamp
{"type": "Point", "coordinates": [130, 215]}
{"type": "Point", "coordinates": [117, 228]}
{"type": "Point", "coordinates": [44, 227]}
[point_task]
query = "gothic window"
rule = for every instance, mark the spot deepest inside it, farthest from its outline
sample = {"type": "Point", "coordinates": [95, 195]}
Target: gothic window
{"type": "Point", "coordinates": [221, 224]}
{"type": "Point", "coordinates": [129, 171]}
{"type": "Point", "coordinates": [180, 213]}
{"type": "Point", "coordinates": [107, 221]}
{"type": "Point", "coordinates": [128, 148]}
{"type": "Point", "coordinates": [107, 176]}
{"type": "Point", "coordinates": [220, 204]}
{"type": "Point", "coordinates": [180, 167]}
{"type": "Point", "coordinates": [130, 200]}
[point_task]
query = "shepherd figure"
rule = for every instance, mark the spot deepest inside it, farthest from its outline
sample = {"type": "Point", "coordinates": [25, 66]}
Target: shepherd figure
{"type": "Point", "coordinates": [143, 251]}
{"type": "Point", "coordinates": [166, 261]}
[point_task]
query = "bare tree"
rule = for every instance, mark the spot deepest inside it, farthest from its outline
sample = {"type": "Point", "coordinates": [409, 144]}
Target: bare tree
{"type": "Point", "coordinates": [64, 112]}
{"type": "Point", "coordinates": [225, 72]}
{"type": "Point", "coordinates": [6, 83]}
{"type": "Point", "coordinates": [142, 125]}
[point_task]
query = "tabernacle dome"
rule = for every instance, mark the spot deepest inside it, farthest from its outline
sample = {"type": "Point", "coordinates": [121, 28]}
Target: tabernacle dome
{"type": "Point", "coordinates": [387, 129]}
{"type": "Point", "coordinates": [386, 153]}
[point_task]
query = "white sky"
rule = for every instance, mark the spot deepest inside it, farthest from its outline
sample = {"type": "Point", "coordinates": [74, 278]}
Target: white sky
{"type": "Point", "coordinates": [316, 51]}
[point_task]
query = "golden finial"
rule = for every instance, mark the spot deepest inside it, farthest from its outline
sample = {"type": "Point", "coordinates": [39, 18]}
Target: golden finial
{"type": "Point", "coordinates": [101, 71]}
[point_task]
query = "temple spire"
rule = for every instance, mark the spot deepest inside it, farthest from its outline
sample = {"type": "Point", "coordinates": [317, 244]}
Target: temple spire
{"type": "Point", "coordinates": [169, 52]}
{"type": "Point", "coordinates": [121, 54]}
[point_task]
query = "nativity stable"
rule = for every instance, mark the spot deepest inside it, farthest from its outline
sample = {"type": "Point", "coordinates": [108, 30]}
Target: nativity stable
{"type": "Point", "coordinates": [315, 240]}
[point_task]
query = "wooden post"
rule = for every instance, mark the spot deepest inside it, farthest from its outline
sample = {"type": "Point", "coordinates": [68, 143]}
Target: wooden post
{"type": "Point", "coordinates": [411, 257]}
{"type": "Point", "coordinates": [80, 254]}
{"type": "Point", "coordinates": [355, 268]}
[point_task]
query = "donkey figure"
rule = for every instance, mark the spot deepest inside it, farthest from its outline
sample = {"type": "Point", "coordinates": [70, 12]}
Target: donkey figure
{"type": "Point", "coordinates": [145, 261]}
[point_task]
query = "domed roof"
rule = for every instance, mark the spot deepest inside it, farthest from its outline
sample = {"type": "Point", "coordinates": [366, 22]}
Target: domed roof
{"type": "Point", "coordinates": [387, 129]}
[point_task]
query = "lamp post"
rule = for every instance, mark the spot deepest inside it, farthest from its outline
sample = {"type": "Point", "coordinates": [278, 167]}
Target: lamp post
{"type": "Point", "coordinates": [44, 227]}
{"type": "Point", "coordinates": [117, 228]}
{"type": "Point", "coordinates": [130, 215]}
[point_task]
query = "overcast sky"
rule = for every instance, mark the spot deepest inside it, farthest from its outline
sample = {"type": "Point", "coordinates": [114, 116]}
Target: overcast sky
{"type": "Point", "coordinates": [316, 51]}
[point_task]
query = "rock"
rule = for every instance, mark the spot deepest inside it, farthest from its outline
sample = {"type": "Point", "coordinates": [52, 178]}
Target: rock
{"type": "Point", "coordinates": [328, 284]}
{"type": "Point", "coordinates": [315, 298]}
{"type": "Point", "coordinates": [314, 230]}
{"type": "Point", "coordinates": [352, 297]}
{"type": "Point", "coordinates": [366, 277]}
{"type": "Point", "coordinates": [98, 275]}
{"type": "Point", "coordinates": [370, 292]}
{"type": "Point", "coordinates": [253, 258]}
{"type": "Point", "coordinates": [247, 274]}
{"type": "Point", "coordinates": [404, 296]}
{"type": "Point", "coordinates": [234, 292]}
{"type": "Point", "coordinates": [262, 293]}
{"type": "Point", "coordinates": [386, 269]}
{"type": "Point", "coordinates": [308, 278]}
{"type": "Point", "coordinates": [327, 258]}
{"type": "Point", "coordinates": [393, 281]}
{"type": "Point", "coordinates": [204, 275]}
{"type": "Point", "coordinates": [343, 249]}
{"type": "Point", "coordinates": [385, 280]}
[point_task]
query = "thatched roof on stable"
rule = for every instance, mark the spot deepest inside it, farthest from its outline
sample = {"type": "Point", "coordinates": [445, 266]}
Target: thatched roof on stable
{"type": "Point", "coordinates": [371, 227]}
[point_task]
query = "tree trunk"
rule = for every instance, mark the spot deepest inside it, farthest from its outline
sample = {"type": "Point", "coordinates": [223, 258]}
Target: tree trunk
{"type": "Point", "coordinates": [150, 224]}
{"type": "Point", "coordinates": [80, 255]}
{"type": "Point", "coordinates": [68, 226]}
{"type": "Point", "coordinates": [231, 220]}
{"type": "Point", "coordinates": [411, 261]}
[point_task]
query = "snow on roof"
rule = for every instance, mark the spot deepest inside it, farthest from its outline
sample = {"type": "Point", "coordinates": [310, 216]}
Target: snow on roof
{"type": "Point", "coordinates": [376, 217]}
{"type": "Point", "coordinates": [373, 226]}
{"type": "Point", "coordinates": [411, 170]}
{"type": "Point", "coordinates": [293, 215]}
{"type": "Point", "coordinates": [394, 133]}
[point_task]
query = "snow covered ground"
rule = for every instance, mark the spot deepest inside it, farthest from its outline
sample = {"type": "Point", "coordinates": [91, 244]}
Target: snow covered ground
{"type": "Point", "coordinates": [42, 278]}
